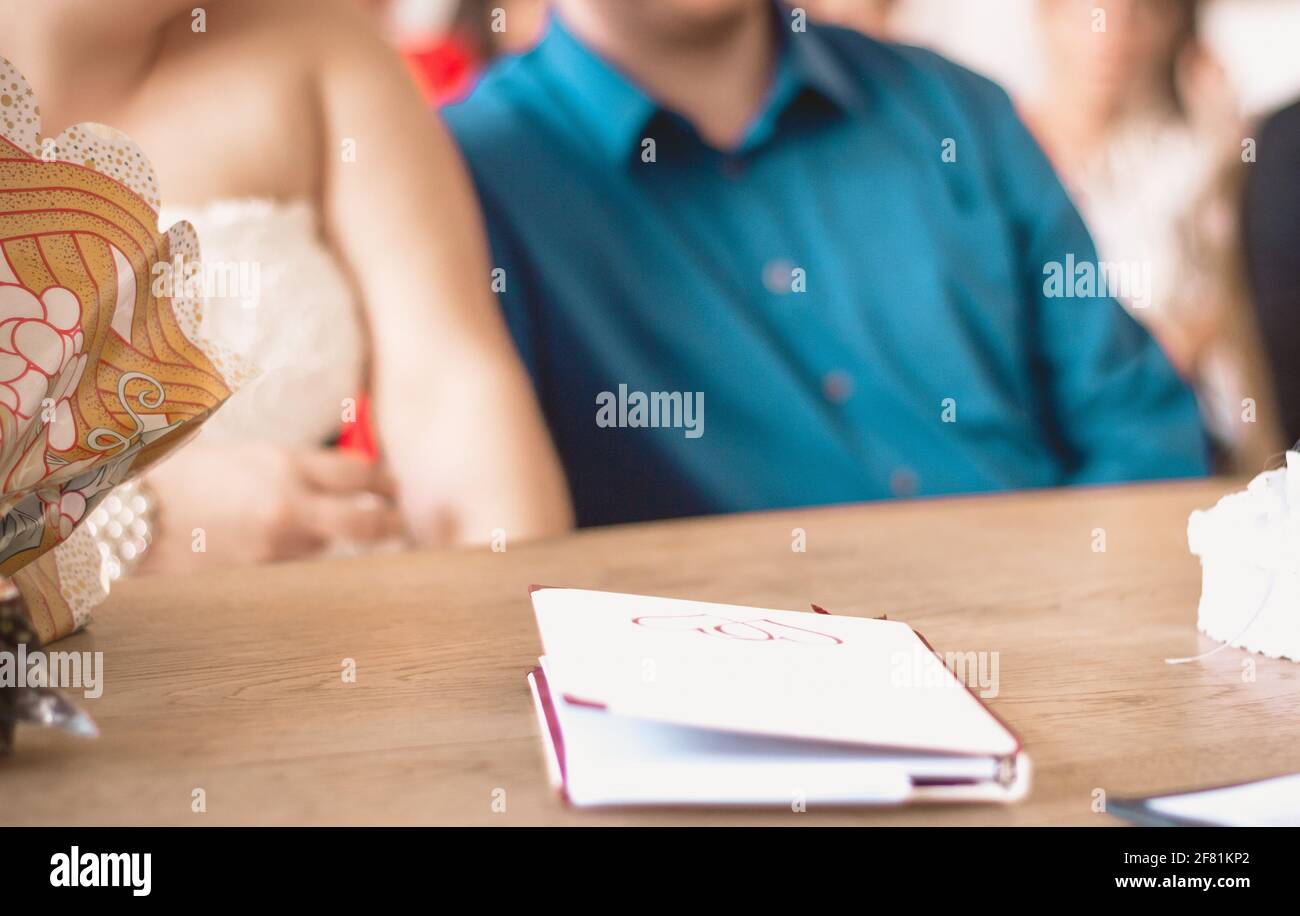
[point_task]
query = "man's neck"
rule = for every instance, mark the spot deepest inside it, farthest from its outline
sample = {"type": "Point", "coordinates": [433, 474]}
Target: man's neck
{"type": "Point", "coordinates": [717, 77]}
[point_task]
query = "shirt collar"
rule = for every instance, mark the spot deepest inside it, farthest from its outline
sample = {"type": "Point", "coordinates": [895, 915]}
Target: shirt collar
{"type": "Point", "coordinates": [612, 109]}
{"type": "Point", "coordinates": [615, 111]}
{"type": "Point", "coordinates": [814, 66]}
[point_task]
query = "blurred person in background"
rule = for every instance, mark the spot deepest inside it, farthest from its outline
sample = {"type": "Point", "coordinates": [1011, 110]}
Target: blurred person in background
{"type": "Point", "coordinates": [373, 274]}
{"type": "Point", "coordinates": [836, 246]}
{"type": "Point", "coordinates": [1142, 125]}
{"type": "Point", "coordinates": [446, 54]}
{"type": "Point", "coordinates": [1272, 225]}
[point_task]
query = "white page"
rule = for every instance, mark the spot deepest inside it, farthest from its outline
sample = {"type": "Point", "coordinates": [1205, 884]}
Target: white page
{"type": "Point", "coordinates": [1268, 803]}
{"type": "Point", "coordinates": [618, 760]}
{"type": "Point", "coordinates": [759, 671]}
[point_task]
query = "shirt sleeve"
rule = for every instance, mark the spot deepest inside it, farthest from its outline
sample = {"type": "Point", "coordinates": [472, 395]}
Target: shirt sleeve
{"type": "Point", "coordinates": [1114, 404]}
{"type": "Point", "coordinates": [511, 281]}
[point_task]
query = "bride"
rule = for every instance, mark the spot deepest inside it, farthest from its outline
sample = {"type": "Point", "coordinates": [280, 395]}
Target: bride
{"type": "Point", "coordinates": [288, 134]}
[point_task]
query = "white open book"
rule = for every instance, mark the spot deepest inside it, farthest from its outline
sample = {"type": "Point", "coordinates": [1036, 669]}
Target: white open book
{"type": "Point", "coordinates": [656, 701]}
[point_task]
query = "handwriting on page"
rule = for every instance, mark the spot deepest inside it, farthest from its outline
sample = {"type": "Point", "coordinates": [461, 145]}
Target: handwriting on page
{"type": "Point", "coordinates": [756, 630]}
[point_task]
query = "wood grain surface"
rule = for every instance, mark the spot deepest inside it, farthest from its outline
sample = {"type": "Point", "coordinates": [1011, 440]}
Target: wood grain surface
{"type": "Point", "coordinates": [231, 682]}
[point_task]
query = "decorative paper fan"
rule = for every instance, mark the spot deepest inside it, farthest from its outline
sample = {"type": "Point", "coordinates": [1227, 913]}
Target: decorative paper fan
{"type": "Point", "coordinates": [102, 368]}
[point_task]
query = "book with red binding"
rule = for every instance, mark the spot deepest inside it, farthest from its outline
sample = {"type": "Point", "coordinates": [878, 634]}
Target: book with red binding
{"type": "Point", "coordinates": [648, 701]}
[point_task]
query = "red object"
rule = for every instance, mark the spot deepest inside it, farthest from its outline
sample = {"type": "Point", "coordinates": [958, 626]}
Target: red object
{"type": "Point", "coordinates": [445, 68]}
{"type": "Point", "coordinates": [359, 435]}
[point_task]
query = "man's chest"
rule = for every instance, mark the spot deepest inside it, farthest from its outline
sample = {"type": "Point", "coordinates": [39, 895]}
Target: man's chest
{"type": "Point", "coordinates": [851, 247]}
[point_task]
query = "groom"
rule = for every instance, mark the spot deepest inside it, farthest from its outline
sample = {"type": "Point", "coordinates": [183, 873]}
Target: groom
{"type": "Point", "coordinates": [843, 244]}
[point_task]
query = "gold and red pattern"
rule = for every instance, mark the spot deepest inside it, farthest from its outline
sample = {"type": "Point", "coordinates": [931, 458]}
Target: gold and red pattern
{"type": "Point", "coordinates": [102, 368]}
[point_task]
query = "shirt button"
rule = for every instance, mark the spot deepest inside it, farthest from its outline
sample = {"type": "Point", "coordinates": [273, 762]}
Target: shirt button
{"type": "Point", "coordinates": [902, 482]}
{"type": "Point", "coordinates": [778, 276]}
{"type": "Point", "coordinates": [733, 166]}
{"type": "Point", "coordinates": [837, 386]}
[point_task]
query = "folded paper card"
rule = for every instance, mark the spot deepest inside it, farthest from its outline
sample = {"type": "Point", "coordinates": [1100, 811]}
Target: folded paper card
{"type": "Point", "coordinates": [1267, 803]}
{"type": "Point", "coordinates": [1249, 546]}
{"type": "Point", "coordinates": [102, 368]}
{"type": "Point", "coordinates": [657, 701]}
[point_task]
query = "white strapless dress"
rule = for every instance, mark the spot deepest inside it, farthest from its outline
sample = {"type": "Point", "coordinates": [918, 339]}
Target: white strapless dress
{"type": "Point", "coordinates": [286, 307]}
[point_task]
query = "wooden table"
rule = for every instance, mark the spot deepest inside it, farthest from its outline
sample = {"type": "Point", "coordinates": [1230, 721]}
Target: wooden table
{"type": "Point", "coordinates": [231, 683]}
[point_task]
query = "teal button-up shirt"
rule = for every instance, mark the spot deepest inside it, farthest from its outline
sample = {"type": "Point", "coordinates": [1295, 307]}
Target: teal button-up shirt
{"type": "Point", "coordinates": [862, 300]}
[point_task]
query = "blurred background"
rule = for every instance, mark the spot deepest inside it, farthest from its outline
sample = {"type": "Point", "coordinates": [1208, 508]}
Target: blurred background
{"type": "Point", "coordinates": [1174, 125]}
{"type": "Point", "coordinates": [1254, 39]}
{"type": "Point", "coordinates": [1148, 125]}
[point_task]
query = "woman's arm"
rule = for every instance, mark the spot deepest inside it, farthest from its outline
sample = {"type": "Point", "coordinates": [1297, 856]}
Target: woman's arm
{"type": "Point", "coordinates": [455, 413]}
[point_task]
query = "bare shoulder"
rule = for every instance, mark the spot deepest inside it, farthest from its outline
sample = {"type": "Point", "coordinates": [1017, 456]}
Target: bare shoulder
{"type": "Point", "coordinates": [362, 90]}
{"type": "Point", "coordinates": [233, 108]}
{"type": "Point", "coordinates": [310, 32]}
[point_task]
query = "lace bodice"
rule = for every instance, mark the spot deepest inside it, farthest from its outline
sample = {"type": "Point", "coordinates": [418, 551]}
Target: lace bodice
{"type": "Point", "coordinates": [277, 296]}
